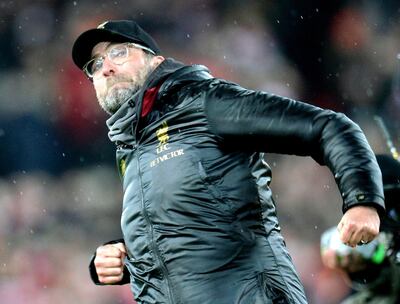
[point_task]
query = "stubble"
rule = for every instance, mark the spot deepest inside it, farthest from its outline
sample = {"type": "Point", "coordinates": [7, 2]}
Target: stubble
{"type": "Point", "coordinates": [117, 96]}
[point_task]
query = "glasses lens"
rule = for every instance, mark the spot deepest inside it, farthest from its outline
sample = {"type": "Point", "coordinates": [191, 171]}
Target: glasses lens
{"type": "Point", "coordinates": [87, 68]}
{"type": "Point", "coordinates": [118, 53]}
{"type": "Point", "coordinates": [96, 65]}
{"type": "Point", "coordinates": [93, 66]}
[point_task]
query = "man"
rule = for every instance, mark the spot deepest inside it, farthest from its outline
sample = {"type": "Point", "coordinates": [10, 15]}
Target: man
{"type": "Point", "coordinates": [372, 270]}
{"type": "Point", "coordinates": [198, 220]}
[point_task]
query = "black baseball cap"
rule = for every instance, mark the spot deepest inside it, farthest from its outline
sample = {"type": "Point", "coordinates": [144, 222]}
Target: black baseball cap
{"type": "Point", "coordinates": [114, 31]}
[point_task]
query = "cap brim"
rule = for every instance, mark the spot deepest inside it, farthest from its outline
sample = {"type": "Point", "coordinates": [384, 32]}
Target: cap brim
{"type": "Point", "coordinates": [83, 46]}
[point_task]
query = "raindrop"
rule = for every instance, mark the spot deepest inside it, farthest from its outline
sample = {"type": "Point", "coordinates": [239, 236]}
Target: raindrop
{"type": "Point", "coordinates": [187, 35]}
{"type": "Point", "coordinates": [398, 56]}
{"type": "Point", "coordinates": [315, 227]}
{"type": "Point", "coordinates": [277, 21]}
{"type": "Point", "coordinates": [74, 3]}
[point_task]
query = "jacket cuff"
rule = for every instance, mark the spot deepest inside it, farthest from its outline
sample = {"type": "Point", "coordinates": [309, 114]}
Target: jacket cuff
{"type": "Point", "coordinates": [366, 200]}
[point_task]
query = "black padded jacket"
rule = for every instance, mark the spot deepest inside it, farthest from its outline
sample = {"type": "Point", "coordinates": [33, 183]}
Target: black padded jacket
{"type": "Point", "coordinates": [198, 218]}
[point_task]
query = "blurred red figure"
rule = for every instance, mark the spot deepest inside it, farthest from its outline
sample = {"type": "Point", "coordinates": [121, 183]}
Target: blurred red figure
{"type": "Point", "coordinates": [79, 116]}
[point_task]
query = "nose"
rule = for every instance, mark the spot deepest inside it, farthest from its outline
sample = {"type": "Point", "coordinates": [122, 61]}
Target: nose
{"type": "Point", "coordinates": [108, 68]}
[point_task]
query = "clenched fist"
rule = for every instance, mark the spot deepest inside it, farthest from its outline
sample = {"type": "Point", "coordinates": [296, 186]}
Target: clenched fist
{"type": "Point", "coordinates": [359, 225]}
{"type": "Point", "coordinates": [109, 263]}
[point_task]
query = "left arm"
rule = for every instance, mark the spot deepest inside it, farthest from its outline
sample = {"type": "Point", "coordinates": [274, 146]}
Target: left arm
{"type": "Point", "coordinates": [274, 124]}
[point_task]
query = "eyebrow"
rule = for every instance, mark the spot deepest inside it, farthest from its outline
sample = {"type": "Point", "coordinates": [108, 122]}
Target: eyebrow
{"type": "Point", "coordinates": [105, 49]}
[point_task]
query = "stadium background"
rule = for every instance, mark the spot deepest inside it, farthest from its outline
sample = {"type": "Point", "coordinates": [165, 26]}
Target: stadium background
{"type": "Point", "coordinates": [59, 191]}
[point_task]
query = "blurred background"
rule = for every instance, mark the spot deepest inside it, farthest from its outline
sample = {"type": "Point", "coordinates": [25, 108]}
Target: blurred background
{"type": "Point", "coordinates": [60, 195]}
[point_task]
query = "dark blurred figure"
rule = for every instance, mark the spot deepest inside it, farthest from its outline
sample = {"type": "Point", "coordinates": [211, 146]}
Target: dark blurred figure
{"type": "Point", "coordinates": [373, 269]}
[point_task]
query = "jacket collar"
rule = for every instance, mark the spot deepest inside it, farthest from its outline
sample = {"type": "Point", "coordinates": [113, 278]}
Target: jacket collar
{"type": "Point", "coordinates": [172, 74]}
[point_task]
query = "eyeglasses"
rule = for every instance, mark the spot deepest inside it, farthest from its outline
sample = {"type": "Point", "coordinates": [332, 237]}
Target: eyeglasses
{"type": "Point", "coordinates": [117, 54]}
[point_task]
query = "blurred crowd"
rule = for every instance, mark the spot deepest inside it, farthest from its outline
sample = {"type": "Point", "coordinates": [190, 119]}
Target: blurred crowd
{"type": "Point", "coordinates": [59, 191]}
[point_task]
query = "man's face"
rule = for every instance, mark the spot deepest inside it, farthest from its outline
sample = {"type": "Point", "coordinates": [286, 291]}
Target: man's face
{"type": "Point", "coordinates": [116, 83]}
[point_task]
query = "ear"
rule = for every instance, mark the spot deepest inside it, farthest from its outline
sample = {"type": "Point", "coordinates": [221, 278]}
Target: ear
{"type": "Point", "coordinates": [156, 60]}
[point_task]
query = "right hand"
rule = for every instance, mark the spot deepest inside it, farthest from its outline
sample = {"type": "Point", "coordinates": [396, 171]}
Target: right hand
{"type": "Point", "coordinates": [109, 263]}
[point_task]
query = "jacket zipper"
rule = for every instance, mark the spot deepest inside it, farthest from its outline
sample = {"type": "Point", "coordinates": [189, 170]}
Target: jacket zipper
{"type": "Point", "coordinates": [151, 231]}
{"type": "Point", "coordinates": [145, 214]}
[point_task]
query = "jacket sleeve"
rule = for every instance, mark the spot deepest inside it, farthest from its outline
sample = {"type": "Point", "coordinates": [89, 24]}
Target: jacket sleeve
{"type": "Point", "coordinates": [93, 273]}
{"type": "Point", "coordinates": [258, 121]}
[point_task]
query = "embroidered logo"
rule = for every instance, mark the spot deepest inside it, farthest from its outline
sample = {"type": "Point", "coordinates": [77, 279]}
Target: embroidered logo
{"type": "Point", "coordinates": [163, 138]}
{"type": "Point", "coordinates": [101, 26]}
{"type": "Point", "coordinates": [122, 167]}
{"type": "Point", "coordinates": [162, 134]}
{"type": "Point", "coordinates": [162, 150]}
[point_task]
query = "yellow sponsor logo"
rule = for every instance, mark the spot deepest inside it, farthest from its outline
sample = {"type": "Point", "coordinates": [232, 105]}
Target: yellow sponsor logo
{"type": "Point", "coordinates": [122, 167]}
{"type": "Point", "coordinates": [163, 147]}
{"type": "Point", "coordinates": [162, 134]}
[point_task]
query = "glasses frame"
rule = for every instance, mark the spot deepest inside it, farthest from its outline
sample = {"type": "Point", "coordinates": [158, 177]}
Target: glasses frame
{"type": "Point", "coordinates": [127, 45]}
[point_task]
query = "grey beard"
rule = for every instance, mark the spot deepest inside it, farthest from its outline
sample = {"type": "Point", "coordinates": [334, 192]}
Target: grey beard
{"type": "Point", "coordinates": [113, 101]}
{"type": "Point", "coordinates": [116, 98]}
